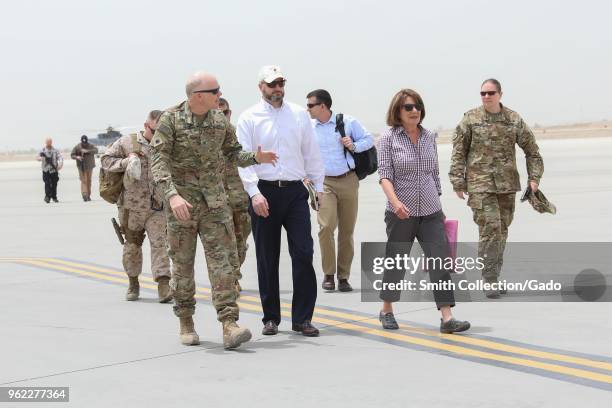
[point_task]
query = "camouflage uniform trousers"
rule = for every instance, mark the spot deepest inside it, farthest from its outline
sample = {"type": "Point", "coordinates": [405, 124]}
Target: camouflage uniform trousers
{"type": "Point", "coordinates": [216, 230]}
{"type": "Point", "coordinates": [493, 213]}
{"type": "Point", "coordinates": [135, 224]}
{"type": "Point", "coordinates": [242, 229]}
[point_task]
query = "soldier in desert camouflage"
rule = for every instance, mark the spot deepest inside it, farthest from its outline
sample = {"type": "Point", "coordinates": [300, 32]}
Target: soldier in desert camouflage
{"type": "Point", "coordinates": [140, 210]}
{"type": "Point", "coordinates": [238, 200]}
{"type": "Point", "coordinates": [483, 166]}
{"type": "Point", "coordinates": [191, 147]}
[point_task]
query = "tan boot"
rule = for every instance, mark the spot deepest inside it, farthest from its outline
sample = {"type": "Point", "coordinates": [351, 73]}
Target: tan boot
{"type": "Point", "coordinates": [133, 290]}
{"type": "Point", "coordinates": [163, 290]}
{"type": "Point", "coordinates": [189, 337]}
{"type": "Point", "coordinates": [234, 336]}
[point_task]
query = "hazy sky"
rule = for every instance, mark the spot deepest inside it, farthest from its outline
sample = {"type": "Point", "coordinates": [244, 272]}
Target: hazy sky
{"type": "Point", "coordinates": [71, 67]}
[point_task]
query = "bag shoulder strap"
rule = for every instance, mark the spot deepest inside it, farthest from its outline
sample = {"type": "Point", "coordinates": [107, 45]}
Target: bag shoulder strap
{"type": "Point", "coordinates": [135, 144]}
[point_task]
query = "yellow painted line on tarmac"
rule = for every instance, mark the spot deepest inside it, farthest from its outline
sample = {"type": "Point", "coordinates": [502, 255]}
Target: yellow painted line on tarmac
{"type": "Point", "coordinates": [374, 322]}
{"type": "Point", "coordinates": [432, 344]}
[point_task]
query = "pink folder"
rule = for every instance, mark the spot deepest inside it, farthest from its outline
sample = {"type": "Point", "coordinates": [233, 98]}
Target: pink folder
{"type": "Point", "coordinates": [452, 228]}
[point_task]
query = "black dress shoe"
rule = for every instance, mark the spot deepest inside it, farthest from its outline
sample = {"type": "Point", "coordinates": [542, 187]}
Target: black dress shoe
{"type": "Point", "coordinates": [306, 328]}
{"type": "Point", "coordinates": [270, 328]}
{"type": "Point", "coordinates": [46, 199]}
{"type": "Point", "coordinates": [328, 283]}
{"type": "Point", "coordinates": [55, 200]}
{"type": "Point", "coordinates": [344, 286]}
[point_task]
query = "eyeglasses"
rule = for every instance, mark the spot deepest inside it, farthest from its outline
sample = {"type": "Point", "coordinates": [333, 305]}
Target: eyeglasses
{"type": "Point", "coordinates": [490, 93]}
{"type": "Point", "coordinates": [278, 82]}
{"type": "Point", "coordinates": [408, 107]}
{"type": "Point", "coordinates": [212, 91]}
{"type": "Point", "coordinates": [312, 105]}
{"type": "Point", "coordinates": [226, 111]}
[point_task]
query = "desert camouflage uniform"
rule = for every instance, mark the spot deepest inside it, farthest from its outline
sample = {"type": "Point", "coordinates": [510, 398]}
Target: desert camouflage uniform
{"type": "Point", "coordinates": [238, 200]}
{"type": "Point", "coordinates": [189, 159]}
{"type": "Point", "coordinates": [483, 164]}
{"type": "Point", "coordinates": [140, 208]}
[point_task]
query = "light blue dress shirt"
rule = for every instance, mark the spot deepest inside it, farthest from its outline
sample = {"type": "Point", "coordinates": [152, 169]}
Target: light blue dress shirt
{"type": "Point", "coordinates": [332, 149]}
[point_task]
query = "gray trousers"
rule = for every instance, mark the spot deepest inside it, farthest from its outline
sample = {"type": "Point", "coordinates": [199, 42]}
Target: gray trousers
{"type": "Point", "coordinates": [429, 231]}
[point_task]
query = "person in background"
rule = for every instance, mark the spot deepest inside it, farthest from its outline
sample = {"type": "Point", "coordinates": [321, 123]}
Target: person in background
{"type": "Point", "coordinates": [340, 187]}
{"type": "Point", "coordinates": [84, 154]}
{"type": "Point", "coordinates": [140, 210]}
{"type": "Point", "coordinates": [51, 162]}
{"type": "Point", "coordinates": [238, 200]}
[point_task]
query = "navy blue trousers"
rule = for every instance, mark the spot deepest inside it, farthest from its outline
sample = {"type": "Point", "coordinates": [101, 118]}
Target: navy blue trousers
{"type": "Point", "coordinates": [289, 209]}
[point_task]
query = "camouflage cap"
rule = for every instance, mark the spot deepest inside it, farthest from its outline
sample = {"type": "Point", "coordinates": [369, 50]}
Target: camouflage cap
{"type": "Point", "coordinates": [540, 203]}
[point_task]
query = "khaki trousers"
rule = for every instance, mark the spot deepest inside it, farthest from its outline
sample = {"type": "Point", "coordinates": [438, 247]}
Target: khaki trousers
{"type": "Point", "coordinates": [85, 177]}
{"type": "Point", "coordinates": [338, 210]}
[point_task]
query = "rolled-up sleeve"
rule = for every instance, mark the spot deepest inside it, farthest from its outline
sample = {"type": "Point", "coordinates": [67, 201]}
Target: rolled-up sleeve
{"type": "Point", "coordinates": [245, 133]}
{"type": "Point", "coordinates": [313, 164]}
{"type": "Point", "coordinates": [385, 159]}
{"type": "Point", "coordinates": [362, 139]}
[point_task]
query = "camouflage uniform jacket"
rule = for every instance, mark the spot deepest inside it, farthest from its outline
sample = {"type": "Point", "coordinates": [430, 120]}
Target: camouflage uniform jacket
{"type": "Point", "coordinates": [190, 156]}
{"type": "Point", "coordinates": [484, 156]}
{"type": "Point", "coordinates": [139, 195]}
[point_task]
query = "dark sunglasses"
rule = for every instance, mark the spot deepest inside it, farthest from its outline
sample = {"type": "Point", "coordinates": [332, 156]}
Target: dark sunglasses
{"type": "Point", "coordinates": [278, 82]}
{"type": "Point", "coordinates": [312, 105]}
{"type": "Point", "coordinates": [226, 111]}
{"type": "Point", "coordinates": [408, 107]}
{"type": "Point", "coordinates": [490, 93]}
{"type": "Point", "coordinates": [212, 91]}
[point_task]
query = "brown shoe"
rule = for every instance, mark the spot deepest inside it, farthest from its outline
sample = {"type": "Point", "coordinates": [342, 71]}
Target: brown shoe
{"type": "Point", "coordinates": [344, 286]}
{"type": "Point", "coordinates": [328, 283]}
{"type": "Point", "coordinates": [306, 328]}
{"type": "Point", "coordinates": [164, 291]}
{"type": "Point", "coordinates": [270, 328]}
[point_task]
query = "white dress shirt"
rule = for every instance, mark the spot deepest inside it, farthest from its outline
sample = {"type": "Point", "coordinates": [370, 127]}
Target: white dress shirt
{"type": "Point", "coordinates": [287, 131]}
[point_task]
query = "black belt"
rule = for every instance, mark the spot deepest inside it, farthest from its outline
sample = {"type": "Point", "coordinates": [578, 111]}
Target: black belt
{"type": "Point", "coordinates": [280, 183]}
{"type": "Point", "coordinates": [342, 175]}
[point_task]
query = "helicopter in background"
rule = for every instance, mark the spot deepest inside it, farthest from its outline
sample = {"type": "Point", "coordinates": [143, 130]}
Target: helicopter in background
{"type": "Point", "coordinates": [108, 137]}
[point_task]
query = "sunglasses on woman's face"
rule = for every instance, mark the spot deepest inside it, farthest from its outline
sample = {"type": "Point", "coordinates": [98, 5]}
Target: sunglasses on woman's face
{"type": "Point", "coordinates": [490, 93]}
{"type": "Point", "coordinates": [408, 107]}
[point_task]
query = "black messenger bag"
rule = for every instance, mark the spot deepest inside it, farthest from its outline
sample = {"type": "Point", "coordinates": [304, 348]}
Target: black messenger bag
{"type": "Point", "coordinates": [366, 162]}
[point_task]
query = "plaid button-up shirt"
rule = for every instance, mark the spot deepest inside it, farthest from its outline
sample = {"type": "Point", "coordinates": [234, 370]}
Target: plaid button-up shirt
{"type": "Point", "coordinates": [412, 169]}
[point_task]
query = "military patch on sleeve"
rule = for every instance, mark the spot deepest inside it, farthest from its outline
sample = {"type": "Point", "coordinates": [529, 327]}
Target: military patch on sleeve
{"type": "Point", "coordinates": [156, 141]}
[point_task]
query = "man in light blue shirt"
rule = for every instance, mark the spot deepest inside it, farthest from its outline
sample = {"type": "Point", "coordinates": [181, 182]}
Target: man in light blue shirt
{"type": "Point", "coordinates": [340, 187]}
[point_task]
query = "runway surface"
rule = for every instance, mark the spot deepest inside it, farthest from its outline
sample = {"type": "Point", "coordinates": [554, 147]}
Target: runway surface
{"type": "Point", "coordinates": [65, 323]}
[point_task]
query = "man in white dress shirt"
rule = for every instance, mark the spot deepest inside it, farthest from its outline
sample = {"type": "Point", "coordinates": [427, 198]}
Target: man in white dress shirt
{"type": "Point", "coordinates": [279, 198]}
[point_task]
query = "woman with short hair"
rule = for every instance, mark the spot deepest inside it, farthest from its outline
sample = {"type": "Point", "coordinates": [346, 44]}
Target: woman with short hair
{"type": "Point", "coordinates": [409, 176]}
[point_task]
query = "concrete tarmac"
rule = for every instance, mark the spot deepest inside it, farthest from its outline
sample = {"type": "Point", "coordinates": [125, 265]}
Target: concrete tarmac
{"type": "Point", "coordinates": [65, 321]}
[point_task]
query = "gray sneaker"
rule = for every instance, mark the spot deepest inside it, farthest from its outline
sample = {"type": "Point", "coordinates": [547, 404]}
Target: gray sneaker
{"type": "Point", "coordinates": [388, 321]}
{"type": "Point", "coordinates": [453, 326]}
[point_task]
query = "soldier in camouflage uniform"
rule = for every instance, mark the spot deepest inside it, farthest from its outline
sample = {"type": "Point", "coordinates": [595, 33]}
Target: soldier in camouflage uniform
{"type": "Point", "coordinates": [140, 210]}
{"type": "Point", "coordinates": [238, 201]}
{"type": "Point", "coordinates": [191, 146]}
{"type": "Point", "coordinates": [483, 165]}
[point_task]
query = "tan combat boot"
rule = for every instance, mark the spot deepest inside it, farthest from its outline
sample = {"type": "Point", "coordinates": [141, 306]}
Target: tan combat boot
{"type": "Point", "coordinates": [234, 336]}
{"type": "Point", "coordinates": [189, 337]}
{"type": "Point", "coordinates": [134, 289]}
{"type": "Point", "coordinates": [163, 290]}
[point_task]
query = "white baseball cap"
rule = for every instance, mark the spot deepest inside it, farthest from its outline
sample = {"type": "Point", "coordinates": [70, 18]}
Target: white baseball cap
{"type": "Point", "coordinates": [269, 73]}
